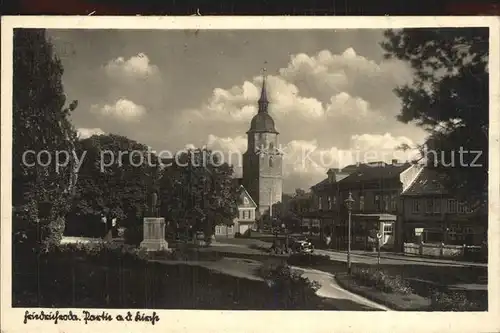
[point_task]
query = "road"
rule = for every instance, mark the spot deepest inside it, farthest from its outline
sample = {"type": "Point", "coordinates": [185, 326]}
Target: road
{"type": "Point", "coordinates": [361, 257]}
{"type": "Point", "coordinates": [394, 259]}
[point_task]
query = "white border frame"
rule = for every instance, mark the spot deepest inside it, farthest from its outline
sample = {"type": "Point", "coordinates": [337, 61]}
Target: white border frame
{"type": "Point", "coordinates": [257, 321]}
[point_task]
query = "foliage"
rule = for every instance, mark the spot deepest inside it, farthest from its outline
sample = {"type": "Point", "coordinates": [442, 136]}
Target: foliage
{"type": "Point", "coordinates": [289, 209]}
{"type": "Point", "coordinates": [198, 192]}
{"type": "Point", "coordinates": [449, 98]}
{"type": "Point", "coordinates": [293, 290]}
{"type": "Point", "coordinates": [380, 280]}
{"type": "Point", "coordinates": [452, 301]}
{"type": "Point", "coordinates": [107, 275]}
{"type": "Point", "coordinates": [115, 180]}
{"type": "Point", "coordinates": [134, 234]}
{"type": "Point", "coordinates": [308, 259]}
{"type": "Point", "coordinates": [41, 194]}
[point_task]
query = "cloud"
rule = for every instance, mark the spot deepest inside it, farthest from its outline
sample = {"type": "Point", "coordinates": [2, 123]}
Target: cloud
{"type": "Point", "coordinates": [123, 110]}
{"type": "Point", "coordinates": [135, 67]}
{"type": "Point", "coordinates": [326, 74]}
{"type": "Point", "coordinates": [84, 133]}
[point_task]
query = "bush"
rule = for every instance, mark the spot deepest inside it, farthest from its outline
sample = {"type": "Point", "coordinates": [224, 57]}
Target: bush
{"type": "Point", "coordinates": [102, 275]}
{"type": "Point", "coordinates": [291, 290]}
{"type": "Point", "coordinates": [308, 259]}
{"type": "Point", "coordinates": [247, 233]}
{"type": "Point", "coordinates": [381, 281]}
{"type": "Point", "coordinates": [452, 301]}
{"type": "Point", "coordinates": [134, 235]}
{"type": "Point", "coordinates": [237, 235]}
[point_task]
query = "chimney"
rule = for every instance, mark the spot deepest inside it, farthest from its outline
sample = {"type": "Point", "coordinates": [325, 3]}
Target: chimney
{"type": "Point", "coordinates": [331, 175]}
{"type": "Point", "coordinates": [394, 161]}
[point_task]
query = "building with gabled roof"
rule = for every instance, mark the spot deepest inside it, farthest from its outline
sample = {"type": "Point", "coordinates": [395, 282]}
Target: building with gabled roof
{"type": "Point", "coordinates": [376, 188]}
{"type": "Point", "coordinates": [432, 214]}
{"type": "Point", "coordinates": [246, 219]}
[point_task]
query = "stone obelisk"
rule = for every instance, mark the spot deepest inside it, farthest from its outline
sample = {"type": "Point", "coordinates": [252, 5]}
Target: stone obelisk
{"type": "Point", "coordinates": [154, 228]}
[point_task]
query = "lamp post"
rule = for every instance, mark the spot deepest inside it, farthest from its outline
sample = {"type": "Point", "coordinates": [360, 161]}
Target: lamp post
{"type": "Point", "coordinates": [348, 202]}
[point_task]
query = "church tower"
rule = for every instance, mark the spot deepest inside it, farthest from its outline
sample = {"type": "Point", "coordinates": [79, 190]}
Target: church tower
{"type": "Point", "coordinates": [262, 162]}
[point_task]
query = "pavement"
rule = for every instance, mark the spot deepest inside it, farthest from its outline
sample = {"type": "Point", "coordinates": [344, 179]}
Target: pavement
{"type": "Point", "coordinates": [340, 298]}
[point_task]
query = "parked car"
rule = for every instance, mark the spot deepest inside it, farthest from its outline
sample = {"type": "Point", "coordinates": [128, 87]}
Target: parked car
{"type": "Point", "coordinates": [301, 244]}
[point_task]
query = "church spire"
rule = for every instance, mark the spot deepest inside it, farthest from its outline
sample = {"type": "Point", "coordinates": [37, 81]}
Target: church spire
{"type": "Point", "coordinates": [263, 102]}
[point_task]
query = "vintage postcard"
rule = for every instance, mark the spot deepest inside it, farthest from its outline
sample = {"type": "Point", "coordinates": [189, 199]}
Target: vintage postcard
{"type": "Point", "coordinates": [288, 173]}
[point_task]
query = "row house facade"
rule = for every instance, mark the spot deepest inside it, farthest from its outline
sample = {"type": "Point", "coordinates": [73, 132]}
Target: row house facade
{"type": "Point", "coordinates": [376, 189]}
{"type": "Point", "coordinates": [431, 214]}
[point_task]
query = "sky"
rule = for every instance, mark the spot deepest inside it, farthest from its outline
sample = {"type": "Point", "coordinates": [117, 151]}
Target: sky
{"type": "Point", "coordinates": [331, 92]}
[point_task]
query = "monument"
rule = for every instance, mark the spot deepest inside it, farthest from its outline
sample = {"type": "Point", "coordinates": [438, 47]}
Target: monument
{"type": "Point", "coordinates": [154, 228]}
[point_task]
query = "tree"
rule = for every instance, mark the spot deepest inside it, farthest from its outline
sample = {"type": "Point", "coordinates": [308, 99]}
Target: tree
{"type": "Point", "coordinates": [197, 192]}
{"type": "Point", "coordinates": [115, 180]}
{"type": "Point", "coordinates": [449, 98]}
{"type": "Point", "coordinates": [41, 191]}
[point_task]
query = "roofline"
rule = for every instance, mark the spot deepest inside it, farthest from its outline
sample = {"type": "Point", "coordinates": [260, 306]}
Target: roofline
{"type": "Point", "coordinates": [414, 178]}
{"type": "Point", "coordinates": [244, 189]}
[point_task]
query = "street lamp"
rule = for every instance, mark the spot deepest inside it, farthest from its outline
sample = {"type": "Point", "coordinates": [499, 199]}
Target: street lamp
{"type": "Point", "coordinates": [349, 202]}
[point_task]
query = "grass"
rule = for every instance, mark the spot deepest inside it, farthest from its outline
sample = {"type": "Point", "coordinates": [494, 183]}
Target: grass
{"type": "Point", "coordinates": [399, 302]}
{"type": "Point", "coordinates": [399, 294]}
{"type": "Point", "coordinates": [86, 277]}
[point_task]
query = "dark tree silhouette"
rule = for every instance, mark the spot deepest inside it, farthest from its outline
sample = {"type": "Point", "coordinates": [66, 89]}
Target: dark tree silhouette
{"type": "Point", "coordinates": [41, 195]}
{"type": "Point", "coordinates": [198, 192]}
{"type": "Point", "coordinates": [449, 98]}
{"type": "Point", "coordinates": [115, 180]}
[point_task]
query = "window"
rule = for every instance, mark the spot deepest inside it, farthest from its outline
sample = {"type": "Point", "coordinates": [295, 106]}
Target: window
{"type": "Point", "coordinates": [329, 202]}
{"type": "Point", "coordinates": [241, 214]}
{"type": "Point", "coordinates": [468, 230]}
{"type": "Point", "coordinates": [429, 205]}
{"type": "Point", "coordinates": [394, 202]}
{"type": "Point", "coordinates": [388, 228]}
{"type": "Point", "coordinates": [319, 203]}
{"type": "Point", "coordinates": [462, 208]}
{"type": "Point", "coordinates": [437, 205]}
{"type": "Point", "coordinates": [452, 206]}
{"type": "Point", "coordinates": [386, 202]}
{"type": "Point", "coordinates": [376, 201]}
{"type": "Point", "coordinates": [218, 230]}
{"type": "Point", "coordinates": [270, 161]}
{"type": "Point", "coordinates": [361, 202]}
{"type": "Point", "coordinates": [271, 146]}
{"type": "Point", "coordinates": [334, 200]}
{"type": "Point", "coordinates": [415, 206]}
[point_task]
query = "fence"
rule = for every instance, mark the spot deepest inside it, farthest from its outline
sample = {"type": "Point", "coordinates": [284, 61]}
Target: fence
{"type": "Point", "coordinates": [441, 250]}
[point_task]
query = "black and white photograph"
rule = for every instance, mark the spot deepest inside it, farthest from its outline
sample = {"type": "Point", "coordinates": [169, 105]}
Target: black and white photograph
{"type": "Point", "coordinates": [264, 165]}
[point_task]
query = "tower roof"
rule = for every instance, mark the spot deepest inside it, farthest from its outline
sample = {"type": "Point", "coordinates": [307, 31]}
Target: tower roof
{"type": "Point", "coordinates": [263, 94]}
{"type": "Point", "coordinates": [262, 121]}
